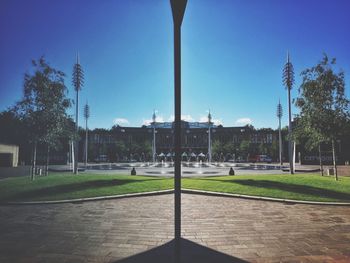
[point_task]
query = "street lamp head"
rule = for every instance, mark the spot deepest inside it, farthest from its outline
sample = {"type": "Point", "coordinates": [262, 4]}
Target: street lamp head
{"type": "Point", "coordinates": [209, 117]}
{"type": "Point", "coordinates": [279, 110]}
{"type": "Point", "coordinates": [288, 74]}
{"type": "Point", "coordinates": [86, 111]}
{"type": "Point", "coordinates": [178, 10]}
{"type": "Point", "coordinates": [78, 75]}
{"type": "Point", "coordinates": [154, 117]}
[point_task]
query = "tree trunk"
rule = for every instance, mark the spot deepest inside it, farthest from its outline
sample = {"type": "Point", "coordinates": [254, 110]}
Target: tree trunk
{"type": "Point", "coordinates": [47, 161]}
{"type": "Point", "coordinates": [34, 161]}
{"type": "Point", "coordinates": [320, 157]}
{"type": "Point", "coordinates": [334, 161]}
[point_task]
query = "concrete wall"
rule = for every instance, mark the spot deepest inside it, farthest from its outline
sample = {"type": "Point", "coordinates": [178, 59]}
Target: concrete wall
{"type": "Point", "coordinates": [11, 150]}
{"type": "Point", "coordinates": [15, 171]}
{"type": "Point", "coordinates": [344, 170]}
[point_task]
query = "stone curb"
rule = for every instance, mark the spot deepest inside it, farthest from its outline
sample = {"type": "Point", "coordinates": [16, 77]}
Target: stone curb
{"type": "Point", "coordinates": [87, 199]}
{"type": "Point", "coordinates": [291, 201]}
{"type": "Point", "coordinates": [183, 190]}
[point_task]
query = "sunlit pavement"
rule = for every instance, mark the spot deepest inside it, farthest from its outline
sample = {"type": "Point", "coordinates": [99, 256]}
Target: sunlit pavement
{"type": "Point", "coordinates": [214, 229]}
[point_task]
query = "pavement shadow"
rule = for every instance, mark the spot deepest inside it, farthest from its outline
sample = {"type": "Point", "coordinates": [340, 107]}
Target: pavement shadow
{"type": "Point", "coordinates": [66, 188]}
{"type": "Point", "coordinates": [295, 188]}
{"type": "Point", "coordinates": [191, 252]}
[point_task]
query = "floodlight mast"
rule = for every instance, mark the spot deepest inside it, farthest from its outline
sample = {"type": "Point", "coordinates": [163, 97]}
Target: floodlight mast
{"type": "Point", "coordinates": [178, 9]}
{"type": "Point", "coordinates": [209, 137]}
{"type": "Point", "coordinates": [154, 151]}
{"type": "Point", "coordinates": [288, 79]}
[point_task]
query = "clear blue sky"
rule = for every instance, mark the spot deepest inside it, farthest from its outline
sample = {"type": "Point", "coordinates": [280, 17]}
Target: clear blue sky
{"type": "Point", "coordinates": [233, 52]}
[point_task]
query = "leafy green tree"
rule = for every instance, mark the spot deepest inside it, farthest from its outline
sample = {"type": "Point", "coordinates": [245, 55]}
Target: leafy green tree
{"type": "Point", "coordinates": [262, 148]}
{"type": "Point", "coordinates": [324, 108]}
{"type": "Point", "coordinates": [93, 151]}
{"type": "Point", "coordinates": [273, 150]}
{"type": "Point", "coordinates": [217, 148]}
{"type": "Point", "coordinates": [147, 148]}
{"type": "Point", "coordinates": [43, 107]}
{"type": "Point", "coordinates": [121, 149]}
{"type": "Point", "coordinates": [244, 148]}
{"type": "Point", "coordinates": [111, 152]}
{"type": "Point", "coordinates": [311, 139]}
{"type": "Point", "coordinates": [230, 147]}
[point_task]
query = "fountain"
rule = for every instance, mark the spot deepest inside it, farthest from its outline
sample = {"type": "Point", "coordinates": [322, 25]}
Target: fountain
{"type": "Point", "coordinates": [200, 167]}
{"type": "Point", "coordinates": [197, 168]}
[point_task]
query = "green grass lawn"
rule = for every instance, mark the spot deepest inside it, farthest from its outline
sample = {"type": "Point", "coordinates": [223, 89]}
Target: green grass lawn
{"type": "Point", "coordinates": [58, 186]}
{"type": "Point", "coordinates": [310, 187]}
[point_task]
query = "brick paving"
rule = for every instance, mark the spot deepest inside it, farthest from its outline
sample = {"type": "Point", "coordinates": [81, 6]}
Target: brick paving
{"type": "Point", "coordinates": [214, 229]}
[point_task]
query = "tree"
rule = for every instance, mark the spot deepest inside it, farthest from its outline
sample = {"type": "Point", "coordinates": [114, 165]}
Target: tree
{"type": "Point", "coordinates": [230, 147]}
{"type": "Point", "coordinates": [263, 148]}
{"type": "Point", "coordinates": [121, 149]}
{"type": "Point", "coordinates": [244, 148]}
{"type": "Point", "coordinates": [273, 150]}
{"type": "Point", "coordinates": [217, 148]}
{"type": "Point", "coordinates": [311, 139]}
{"type": "Point", "coordinates": [324, 108]}
{"type": "Point", "coordinates": [43, 107]}
{"type": "Point", "coordinates": [146, 149]}
{"type": "Point", "coordinates": [288, 80]}
{"type": "Point", "coordinates": [78, 82]}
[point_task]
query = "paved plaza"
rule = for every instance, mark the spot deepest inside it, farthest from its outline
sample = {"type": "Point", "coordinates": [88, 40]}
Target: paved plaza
{"type": "Point", "coordinates": [140, 229]}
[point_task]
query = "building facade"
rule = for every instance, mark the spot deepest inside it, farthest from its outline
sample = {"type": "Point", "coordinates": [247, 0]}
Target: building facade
{"type": "Point", "coordinates": [199, 139]}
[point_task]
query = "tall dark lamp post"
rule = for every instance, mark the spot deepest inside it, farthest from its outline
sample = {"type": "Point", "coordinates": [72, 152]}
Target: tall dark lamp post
{"type": "Point", "coordinates": [178, 9]}
{"type": "Point", "coordinates": [288, 80]}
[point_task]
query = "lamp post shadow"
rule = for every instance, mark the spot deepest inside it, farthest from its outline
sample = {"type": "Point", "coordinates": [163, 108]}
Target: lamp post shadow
{"type": "Point", "coordinates": [190, 252]}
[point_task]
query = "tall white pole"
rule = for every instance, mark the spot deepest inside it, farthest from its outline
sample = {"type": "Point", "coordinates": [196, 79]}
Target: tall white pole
{"type": "Point", "coordinates": [73, 155]}
{"type": "Point", "coordinates": [209, 137]}
{"type": "Point", "coordinates": [154, 152]}
{"type": "Point", "coordinates": [209, 146]}
{"type": "Point", "coordinates": [280, 142]}
{"type": "Point", "coordinates": [294, 150]}
{"type": "Point", "coordinates": [86, 142]}
{"type": "Point", "coordinates": [154, 144]}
